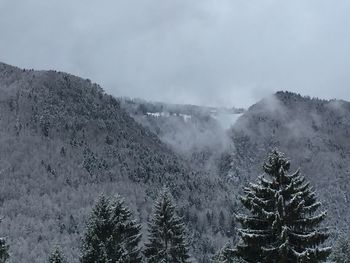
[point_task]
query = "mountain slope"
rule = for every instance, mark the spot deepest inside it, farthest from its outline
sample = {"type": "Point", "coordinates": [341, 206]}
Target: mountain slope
{"type": "Point", "coordinates": [63, 141]}
{"type": "Point", "coordinates": [197, 133]}
{"type": "Point", "coordinates": [313, 133]}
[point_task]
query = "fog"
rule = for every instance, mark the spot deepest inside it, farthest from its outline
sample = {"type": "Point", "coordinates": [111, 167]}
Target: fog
{"type": "Point", "coordinates": [207, 52]}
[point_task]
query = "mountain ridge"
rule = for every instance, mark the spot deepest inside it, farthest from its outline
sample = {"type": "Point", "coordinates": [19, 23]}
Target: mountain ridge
{"type": "Point", "coordinates": [312, 132]}
{"type": "Point", "coordinates": [63, 141]}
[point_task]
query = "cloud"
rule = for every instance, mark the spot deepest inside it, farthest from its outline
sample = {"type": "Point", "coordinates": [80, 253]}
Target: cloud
{"type": "Point", "coordinates": [185, 51]}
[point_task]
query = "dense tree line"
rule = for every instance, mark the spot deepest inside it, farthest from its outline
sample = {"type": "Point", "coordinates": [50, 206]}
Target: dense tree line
{"type": "Point", "coordinates": [282, 226]}
{"type": "Point", "coordinates": [112, 235]}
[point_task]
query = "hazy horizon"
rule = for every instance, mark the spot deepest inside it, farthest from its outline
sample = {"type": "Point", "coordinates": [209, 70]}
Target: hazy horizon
{"type": "Point", "coordinates": [214, 53]}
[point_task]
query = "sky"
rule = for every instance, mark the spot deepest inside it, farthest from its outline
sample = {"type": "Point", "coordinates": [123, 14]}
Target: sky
{"type": "Point", "coordinates": [206, 52]}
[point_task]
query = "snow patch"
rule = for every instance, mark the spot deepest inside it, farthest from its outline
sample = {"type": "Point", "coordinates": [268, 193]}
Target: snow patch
{"type": "Point", "coordinates": [158, 114]}
{"type": "Point", "coordinates": [185, 117]}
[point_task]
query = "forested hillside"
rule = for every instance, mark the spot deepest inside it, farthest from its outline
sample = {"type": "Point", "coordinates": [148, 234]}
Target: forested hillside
{"type": "Point", "coordinates": [64, 142]}
{"type": "Point", "coordinates": [314, 133]}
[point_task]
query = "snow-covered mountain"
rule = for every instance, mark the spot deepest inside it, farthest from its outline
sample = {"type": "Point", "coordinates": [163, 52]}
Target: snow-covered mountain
{"type": "Point", "coordinates": [63, 142]}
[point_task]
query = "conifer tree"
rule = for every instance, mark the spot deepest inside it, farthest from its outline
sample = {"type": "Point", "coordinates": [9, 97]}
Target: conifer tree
{"type": "Point", "coordinates": [4, 255]}
{"type": "Point", "coordinates": [283, 223]}
{"type": "Point", "coordinates": [166, 241]}
{"type": "Point", "coordinates": [112, 235]}
{"type": "Point", "coordinates": [57, 256]}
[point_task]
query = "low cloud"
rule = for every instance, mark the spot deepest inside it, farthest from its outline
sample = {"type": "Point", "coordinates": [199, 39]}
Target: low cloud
{"type": "Point", "coordinates": [185, 51]}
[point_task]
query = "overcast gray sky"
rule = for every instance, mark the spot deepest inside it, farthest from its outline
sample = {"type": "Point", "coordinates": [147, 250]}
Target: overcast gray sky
{"type": "Point", "coordinates": [211, 52]}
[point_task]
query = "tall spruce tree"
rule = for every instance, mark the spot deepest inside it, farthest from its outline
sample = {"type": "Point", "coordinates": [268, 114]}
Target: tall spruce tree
{"type": "Point", "coordinates": [167, 239]}
{"type": "Point", "coordinates": [57, 256]}
{"type": "Point", "coordinates": [112, 235]}
{"type": "Point", "coordinates": [282, 225]}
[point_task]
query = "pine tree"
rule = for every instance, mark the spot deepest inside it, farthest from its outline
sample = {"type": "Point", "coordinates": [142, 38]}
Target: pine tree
{"type": "Point", "coordinates": [282, 225]}
{"type": "Point", "coordinates": [167, 241]}
{"type": "Point", "coordinates": [112, 235]}
{"type": "Point", "coordinates": [57, 256]}
{"type": "Point", "coordinates": [4, 255]}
